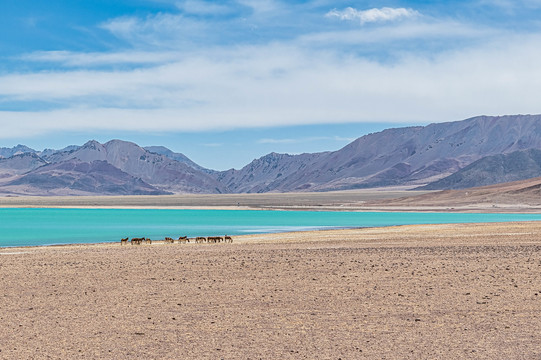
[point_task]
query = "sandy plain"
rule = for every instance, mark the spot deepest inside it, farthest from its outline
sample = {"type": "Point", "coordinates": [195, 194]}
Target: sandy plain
{"type": "Point", "coordinates": [468, 291]}
{"type": "Point", "coordinates": [517, 197]}
{"type": "Point", "coordinates": [336, 200]}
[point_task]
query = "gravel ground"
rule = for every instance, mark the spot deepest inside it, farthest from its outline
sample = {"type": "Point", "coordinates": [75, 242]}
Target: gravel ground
{"type": "Point", "coordinates": [410, 292]}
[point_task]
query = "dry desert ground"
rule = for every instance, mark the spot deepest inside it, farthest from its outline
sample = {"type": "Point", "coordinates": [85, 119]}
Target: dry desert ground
{"type": "Point", "coordinates": [335, 200]}
{"type": "Point", "coordinates": [409, 292]}
{"type": "Point", "coordinates": [518, 197]}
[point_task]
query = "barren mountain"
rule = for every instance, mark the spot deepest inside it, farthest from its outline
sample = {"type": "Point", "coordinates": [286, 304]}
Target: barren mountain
{"type": "Point", "coordinates": [480, 150]}
{"type": "Point", "coordinates": [48, 152]}
{"type": "Point", "coordinates": [155, 169]}
{"type": "Point", "coordinates": [19, 164]}
{"type": "Point", "coordinates": [501, 168]}
{"type": "Point", "coordinates": [269, 172]}
{"type": "Point", "coordinates": [16, 150]}
{"type": "Point", "coordinates": [402, 156]}
{"type": "Point", "coordinates": [75, 177]}
{"type": "Point", "coordinates": [162, 150]}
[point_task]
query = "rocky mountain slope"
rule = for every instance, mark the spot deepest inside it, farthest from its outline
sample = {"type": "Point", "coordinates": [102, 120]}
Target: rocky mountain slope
{"type": "Point", "coordinates": [269, 173]}
{"type": "Point", "coordinates": [116, 167]}
{"type": "Point", "coordinates": [19, 164]}
{"type": "Point", "coordinates": [158, 170]}
{"type": "Point", "coordinates": [75, 177]}
{"type": "Point", "coordinates": [501, 168]}
{"type": "Point", "coordinates": [16, 150]}
{"type": "Point", "coordinates": [49, 152]}
{"type": "Point", "coordinates": [478, 151]}
{"type": "Point", "coordinates": [400, 156]}
{"type": "Point", "coordinates": [162, 150]}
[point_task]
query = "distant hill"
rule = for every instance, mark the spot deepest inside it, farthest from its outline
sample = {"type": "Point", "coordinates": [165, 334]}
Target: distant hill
{"type": "Point", "coordinates": [477, 151]}
{"type": "Point", "coordinates": [272, 172]}
{"type": "Point", "coordinates": [19, 164]}
{"type": "Point", "coordinates": [162, 150]}
{"type": "Point", "coordinates": [401, 156]}
{"type": "Point", "coordinates": [114, 168]}
{"type": "Point", "coordinates": [501, 168]}
{"type": "Point", "coordinates": [75, 177]}
{"type": "Point", "coordinates": [48, 152]}
{"type": "Point", "coordinates": [158, 170]}
{"type": "Point", "coordinates": [16, 150]}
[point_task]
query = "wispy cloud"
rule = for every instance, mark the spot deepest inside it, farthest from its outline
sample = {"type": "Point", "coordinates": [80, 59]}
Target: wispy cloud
{"type": "Point", "coordinates": [372, 15]}
{"type": "Point", "coordinates": [89, 59]}
{"type": "Point", "coordinates": [446, 30]}
{"type": "Point", "coordinates": [163, 30]}
{"type": "Point", "coordinates": [178, 72]}
{"type": "Point", "coordinates": [277, 85]}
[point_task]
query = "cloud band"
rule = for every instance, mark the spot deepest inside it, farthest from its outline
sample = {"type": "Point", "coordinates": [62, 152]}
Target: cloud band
{"type": "Point", "coordinates": [372, 15]}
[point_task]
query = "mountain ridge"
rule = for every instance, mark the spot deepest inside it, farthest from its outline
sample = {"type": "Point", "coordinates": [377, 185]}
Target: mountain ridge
{"type": "Point", "coordinates": [82, 178]}
{"type": "Point", "coordinates": [404, 156]}
{"type": "Point", "coordinates": [494, 169]}
{"type": "Point", "coordinates": [157, 173]}
{"type": "Point", "coordinates": [16, 150]}
{"type": "Point", "coordinates": [398, 156]}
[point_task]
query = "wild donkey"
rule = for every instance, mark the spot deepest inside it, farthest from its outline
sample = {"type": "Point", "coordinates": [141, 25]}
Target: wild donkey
{"type": "Point", "coordinates": [137, 241]}
{"type": "Point", "coordinates": [169, 240]}
{"type": "Point", "coordinates": [183, 239]}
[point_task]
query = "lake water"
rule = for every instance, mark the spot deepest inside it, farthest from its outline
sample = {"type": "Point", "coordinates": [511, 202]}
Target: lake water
{"type": "Point", "coordinates": [22, 227]}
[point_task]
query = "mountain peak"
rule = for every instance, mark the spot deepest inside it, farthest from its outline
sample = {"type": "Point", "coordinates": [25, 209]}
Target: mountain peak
{"type": "Point", "coordinates": [19, 149]}
{"type": "Point", "coordinates": [92, 144]}
{"type": "Point", "coordinates": [117, 142]}
{"type": "Point", "coordinates": [162, 150]}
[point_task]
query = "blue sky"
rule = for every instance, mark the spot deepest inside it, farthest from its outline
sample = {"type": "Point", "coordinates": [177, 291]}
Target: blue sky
{"type": "Point", "coordinates": [225, 82]}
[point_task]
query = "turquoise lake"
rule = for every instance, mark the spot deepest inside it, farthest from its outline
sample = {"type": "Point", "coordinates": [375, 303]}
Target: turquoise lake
{"type": "Point", "coordinates": [23, 227]}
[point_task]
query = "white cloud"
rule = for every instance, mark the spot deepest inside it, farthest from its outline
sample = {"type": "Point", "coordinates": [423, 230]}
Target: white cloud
{"type": "Point", "coordinates": [372, 15]}
{"type": "Point", "coordinates": [162, 30]}
{"type": "Point", "coordinates": [74, 59]}
{"type": "Point", "coordinates": [274, 85]}
{"type": "Point", "coordinates": [315, 78]}
{"type": "Point", "coordinates": [441, 30]}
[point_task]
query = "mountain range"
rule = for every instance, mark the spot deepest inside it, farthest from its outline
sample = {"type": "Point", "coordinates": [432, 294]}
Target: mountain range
{"type": "Point", "coordinates": [452, 155]}
{"type": "Point", "coordinates": [501, 168]}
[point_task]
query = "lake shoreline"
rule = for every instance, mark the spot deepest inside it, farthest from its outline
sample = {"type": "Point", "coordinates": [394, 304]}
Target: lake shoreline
{"type": "Point", "coordinates": [362, 200]}
{"type": "Point", "coordinates": [57, 226]}
{"type": "Point", "coordinates": [368, 209]}
{"type": "Point", "coordinates": [315, 235]}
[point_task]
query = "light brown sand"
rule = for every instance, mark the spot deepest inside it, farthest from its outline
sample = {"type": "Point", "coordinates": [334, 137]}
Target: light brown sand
{"type": "Point", "coordinates": [503, 198]}
{"type": "Point", "coordinates": [409, 292]}
{"type": "Point", "coordinates": [336, 200]}
{"type": "Point", "coordinates": [518, 196]}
